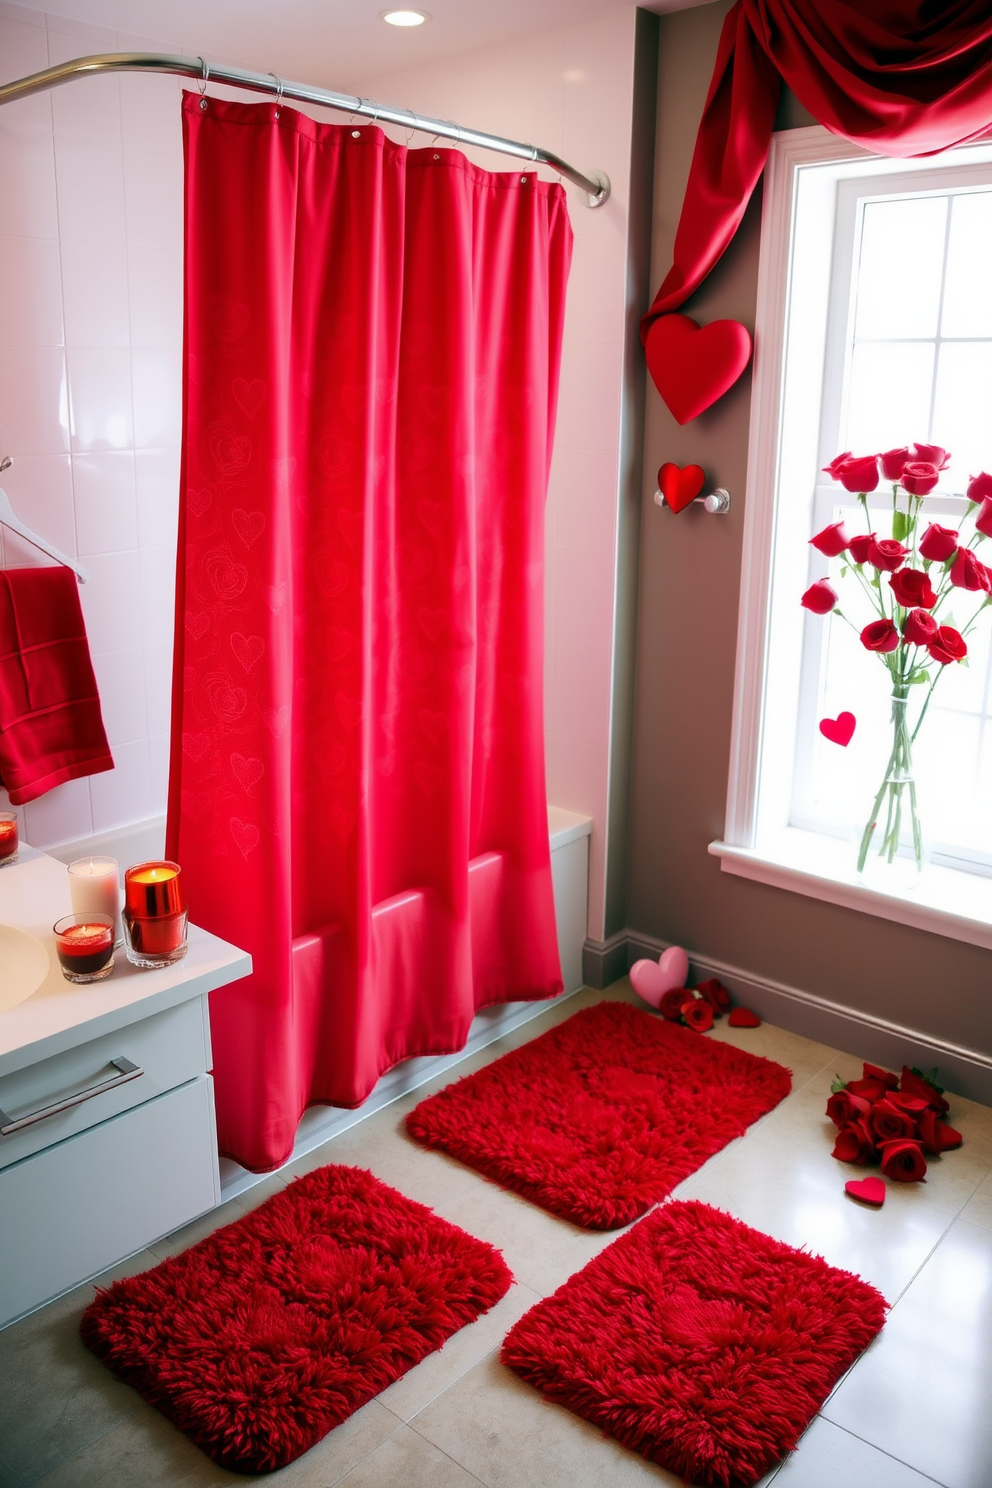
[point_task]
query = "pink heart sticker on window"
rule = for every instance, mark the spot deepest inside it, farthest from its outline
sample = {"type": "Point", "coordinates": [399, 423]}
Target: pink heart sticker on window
{"type": "Point", "coordinates": [839, 730]}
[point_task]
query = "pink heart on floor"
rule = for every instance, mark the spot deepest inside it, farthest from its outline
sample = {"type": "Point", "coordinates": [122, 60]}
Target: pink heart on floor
{"type": "Point", "coordinates": [652, 979]}
{"type": "Point", "coordinates": [743, 1018]}
{"type": "Point", "coordinates": [839, 730]}
{"type": "Point", "coordinates": [869, 1190]}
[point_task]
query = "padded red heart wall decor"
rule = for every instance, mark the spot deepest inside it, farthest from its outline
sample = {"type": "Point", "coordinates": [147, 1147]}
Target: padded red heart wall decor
{"type": "Point", "coordinates": [680, 486]}
{"type": "Point", "coordinates": [692, 365]}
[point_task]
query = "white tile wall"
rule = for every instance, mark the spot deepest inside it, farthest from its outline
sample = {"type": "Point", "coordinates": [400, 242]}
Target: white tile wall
{"type": "Point", "coordinates": [90, 385]}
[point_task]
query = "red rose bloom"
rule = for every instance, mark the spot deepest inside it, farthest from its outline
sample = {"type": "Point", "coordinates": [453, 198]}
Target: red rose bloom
{"type": "Point", "coordinates": [886, 554]}
{"type": "Point", "coordinates": [715, 994]}
{"type": "Point", "coordinates": [819, 597]}
{"type": "Point", "coordinates": [836, 463]}
{"type": "Point", "coordinates": [919, 628]}
{"type": "Point", "coordinates": [936, 1135]}
{"type": "Point", "coordinates": [912, 589]}
{"type": "Point", "coordinates": [843, 1107]}
{"type": "Point", "coordinates": [670, 1006]}
{"type": "Point", "coordinates": [880, 635]}
{"type": "Point", "coordinates": [919, 477]}
{"type": "Point", "coordinates": [903, 1160]}
{"type": "Point", "coordinates": [874, 1072]}
{"type": "Point", "coordinates": [855, 1143]}
{"type": "Point", "coordinates": [932, 454]}
{"type": "Point", "coordinates": [857, 473]}
{"type": "Point", "coordinates": [858, 547]}
{"type": "Point", "coordinates": [888, 1122]}
{"type": "Point", "coordinates": [831, 541]}
{"type": "Point", "coordinates": [967, 572]}
{"type": "Point", "coordinates": [923, 1089]}
{"type": "Point", "coordinates": [983, 521]}
{"type": "Point", "coordinates": [869, 1088]}
{"type": "Point", "coordinates": [911, 1104]}
{"type": "Point", "coordinates": [938, 543]}
{"type": "Point", "coordinates": [697, 1014]}
{"type": "Point", "coordinates": [948, 645]}
{"type": "Point", "coordinates": [979, 486]}
{"type": "Point", "coordinates": [893, 461]}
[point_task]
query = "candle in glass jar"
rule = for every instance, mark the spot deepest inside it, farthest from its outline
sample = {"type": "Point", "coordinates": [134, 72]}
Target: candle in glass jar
{"type": "Point", "coordinates": [9, 840]}
{"type": "Point", "coordinates": [84, 944]}
{"type": "Point", "coordinates": [94, 888]}
{"type": "Point", "coordinates": [154, 914]}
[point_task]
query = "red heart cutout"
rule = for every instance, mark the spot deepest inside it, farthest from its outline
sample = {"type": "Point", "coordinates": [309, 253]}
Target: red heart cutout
{"type": "Point", "coordinates": [680, 485]}
{"type": "Point", "coordinates": [869, 1190]}
{"type": "Point", "coordinates": [743, 1018]}
{"type": "Point", "coordinates": [693, 365]}
{"type": "Point", "coordinates": [839, 730]}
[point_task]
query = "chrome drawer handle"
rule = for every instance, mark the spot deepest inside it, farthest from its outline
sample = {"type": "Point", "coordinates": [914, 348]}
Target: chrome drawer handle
{"type": "Point", "coordinates": [128, 1071]}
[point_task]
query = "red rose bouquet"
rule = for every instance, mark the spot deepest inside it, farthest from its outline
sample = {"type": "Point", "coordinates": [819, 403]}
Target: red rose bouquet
{"type": "Point", "coordinates": [907, 581]}
{"type": "Point", "coordinates": [892, 1120]}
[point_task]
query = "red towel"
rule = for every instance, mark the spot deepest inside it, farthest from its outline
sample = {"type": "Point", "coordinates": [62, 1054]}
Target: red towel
{"type": "Point", "coordinates": [51, 729]}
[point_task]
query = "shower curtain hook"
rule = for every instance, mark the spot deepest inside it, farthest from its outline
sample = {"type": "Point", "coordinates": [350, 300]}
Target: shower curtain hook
{"type": "Point", "coordinates": [413, 127]}
{"type": "Point", "coordinates": [205, 80]}
{"type": "Point", "coordinates": [279, 87]}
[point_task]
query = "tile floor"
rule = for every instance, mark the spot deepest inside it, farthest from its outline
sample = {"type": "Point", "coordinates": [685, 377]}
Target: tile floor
{"type": "Point", "coordinates": [913, 1411]}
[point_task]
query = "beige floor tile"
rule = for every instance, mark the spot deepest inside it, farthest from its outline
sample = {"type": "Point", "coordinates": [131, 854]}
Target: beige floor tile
{"type": "Point", "coordinates": [827, 1456]}
{"type": "Point", "coordinates": [148, 1452]}
{"type": "Point", "coordinates": [503, 1432]}
{"type": "Point", "coordinates": [408, 1460]}
{"type": "Point", "coordinates": [463, 1350]}
{"type": "Point", "coordinates": [978, 1210]}
{"type": "Point", "coordinates": [800, 1055]}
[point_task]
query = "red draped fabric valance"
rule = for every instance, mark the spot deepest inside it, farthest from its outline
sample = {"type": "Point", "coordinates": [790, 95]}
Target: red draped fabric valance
{"type": "Point", "coordinates": [900, 77]}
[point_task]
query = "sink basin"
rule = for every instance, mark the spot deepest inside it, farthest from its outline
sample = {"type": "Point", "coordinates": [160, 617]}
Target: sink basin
{"type": "Point", "coordinates": [23, 965]}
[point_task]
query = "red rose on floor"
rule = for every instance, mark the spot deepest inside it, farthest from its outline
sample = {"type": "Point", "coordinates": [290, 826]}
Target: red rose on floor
{"type": "Point", "coordinates": [880, 635]}
{"type": "Point", "coordinates": [888, 1122]}
{"type": "Point", "coordinates": [819, 597]}
{"type": "Point", "coordinates": [983, 519]}
{"type": "Point", "coordinates": [936, 1135]}
{"type": "Point", "coordinates": [715, 994]}
{"type": "Point", "coordinates": [947, 645]}
{"type": "Point", "coordinates": [919, 628]}
{"type": "Point", "coordinates": [858, 547]}
{"type": "Point", "coordinates": [968, 572]}
{"type": "Point", "coordinates": [911, 1082]}
{"type": "Point", "coordinates": [670, 1006]}
{"type": "Point", "coordinates": [911, 1104]}
{"type": "Point", "coordinates": [903, 1160]}
{"type": "Point", "coordinates": [913, 589]}
{"type": "Point", "coordinates": [843, 1107]}
{"type": "Point", "coordinates": [938, 543]}
{"type": "Point", "coordinates": [697, 1014]}
{"type": "Point", "coordinates": [886, 554]}
{"type": "Point", "coordinates": [857, 472]}
{"type": "Point", "coordinates": [919, 477]}
{"type": "Point", "coordinates": [932, 454]}
{"type": "Point", "coordinates": [855, 1144]}
{"type": "Point", "coordinates": [870, 1088]}
{"type": "Point", "coordinates": [831, 541]}
{"type": "Point", "coordinates": [893, 461]}
{"type": "Point", "coordinates": [874, 1072]}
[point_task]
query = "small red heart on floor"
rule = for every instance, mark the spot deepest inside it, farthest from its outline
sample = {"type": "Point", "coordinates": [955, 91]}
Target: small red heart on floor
{"type": "Point", "coordinates": [869, 1190]}
{"type": "Point", "coordinates": [743, 1018]}
{"type": "Point", "coordinates": [692, 365]}
{"type": "Point", "coordinates": [680, 486]}
{"type": "Point", "coordinates": [839, 730]}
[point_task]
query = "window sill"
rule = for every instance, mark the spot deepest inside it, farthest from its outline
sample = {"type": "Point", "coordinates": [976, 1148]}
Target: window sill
{"type": "Point", "coordinates": [941, 900]}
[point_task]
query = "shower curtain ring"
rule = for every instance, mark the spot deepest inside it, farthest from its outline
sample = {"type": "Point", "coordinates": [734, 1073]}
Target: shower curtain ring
{"type": "Point", "coordinates": [413, 127]}
{"type": "Point", "coordinates": [279, 87]}
{"type": "Point", "coordinates": [202, 85]}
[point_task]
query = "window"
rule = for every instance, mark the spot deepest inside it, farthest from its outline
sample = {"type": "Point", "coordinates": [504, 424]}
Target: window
{"type": "Point", "coordinates": [874, 329]}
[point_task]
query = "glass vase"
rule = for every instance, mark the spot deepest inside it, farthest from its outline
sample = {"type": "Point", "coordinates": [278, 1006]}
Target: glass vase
{"type": "Point", "coordinates": [895, 803]}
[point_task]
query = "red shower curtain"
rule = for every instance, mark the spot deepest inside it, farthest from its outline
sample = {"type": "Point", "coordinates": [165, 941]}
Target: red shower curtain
{"type": "Point", "coordinates": [357, 793]}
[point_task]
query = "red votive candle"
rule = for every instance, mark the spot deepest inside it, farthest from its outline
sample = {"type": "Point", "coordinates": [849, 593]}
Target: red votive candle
{"type": "Point", "coordinates": [154, 914]}
{"type": "Point", "coordinates": [9, 840]}
{"type": "Point", "coordinates": [84, 944]}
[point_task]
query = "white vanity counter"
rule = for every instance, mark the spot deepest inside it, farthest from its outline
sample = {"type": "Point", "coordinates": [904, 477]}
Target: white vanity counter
{"type": "Point", "coordinates": [107, 1098]}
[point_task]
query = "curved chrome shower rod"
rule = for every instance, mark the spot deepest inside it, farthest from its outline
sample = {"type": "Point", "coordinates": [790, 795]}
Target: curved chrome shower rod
{"type": "Point", "coordinates": [596, 186]}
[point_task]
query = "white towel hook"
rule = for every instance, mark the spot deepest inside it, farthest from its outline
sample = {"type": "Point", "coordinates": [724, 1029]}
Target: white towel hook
{"type": "Point", "coordinates": [8, 519]}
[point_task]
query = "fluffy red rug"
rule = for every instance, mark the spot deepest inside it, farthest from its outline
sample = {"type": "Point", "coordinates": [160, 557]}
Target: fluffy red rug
{"type": "Point", "coordinates": [598, 1119]}
{"type": "Point", "coordinates": [261, 1338]}
{"type": "Point", "coordinates": [698, 1342]}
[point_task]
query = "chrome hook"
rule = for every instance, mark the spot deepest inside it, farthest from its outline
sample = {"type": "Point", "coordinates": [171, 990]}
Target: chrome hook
{"type": "Point", "coordinates": [280, 85]}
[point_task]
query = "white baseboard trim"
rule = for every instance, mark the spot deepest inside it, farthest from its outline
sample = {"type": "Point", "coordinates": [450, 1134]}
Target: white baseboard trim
{"type": "Point", "coordinates": [320, 1123]}
{"type": "Point", "coordinates": [966, 1072]}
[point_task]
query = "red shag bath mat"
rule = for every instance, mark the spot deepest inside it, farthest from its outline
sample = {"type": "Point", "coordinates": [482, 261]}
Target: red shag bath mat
{"type": "Point", "coordinates": [704, 1345]}
{"type": "Point", "coordinates": [265, 1335]}
{"type": "Point", "coordinates": [599, 1118]}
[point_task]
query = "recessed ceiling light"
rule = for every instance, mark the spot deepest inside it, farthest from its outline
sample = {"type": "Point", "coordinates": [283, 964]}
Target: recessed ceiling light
{"type": "Point", "coordinates": [404, 17]}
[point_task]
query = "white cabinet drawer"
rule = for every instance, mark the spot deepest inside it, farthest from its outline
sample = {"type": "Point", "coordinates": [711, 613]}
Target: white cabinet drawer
{"type": "Point", "coordinates": [169, 1048]}
{"type": "Point", "coordinates": [75, 1209]}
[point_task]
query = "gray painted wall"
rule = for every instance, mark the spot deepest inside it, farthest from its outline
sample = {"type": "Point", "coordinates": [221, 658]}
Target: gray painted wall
{"type": "Point", "coordinates": [689, 580]}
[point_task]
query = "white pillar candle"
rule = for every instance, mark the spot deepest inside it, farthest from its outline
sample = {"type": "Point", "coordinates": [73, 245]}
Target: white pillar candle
{"type": "Point", "coordinates": [94, 887]}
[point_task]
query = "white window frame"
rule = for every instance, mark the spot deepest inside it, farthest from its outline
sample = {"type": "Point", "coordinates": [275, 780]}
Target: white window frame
{"type": "Point", "coordinates": [944, 900]}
